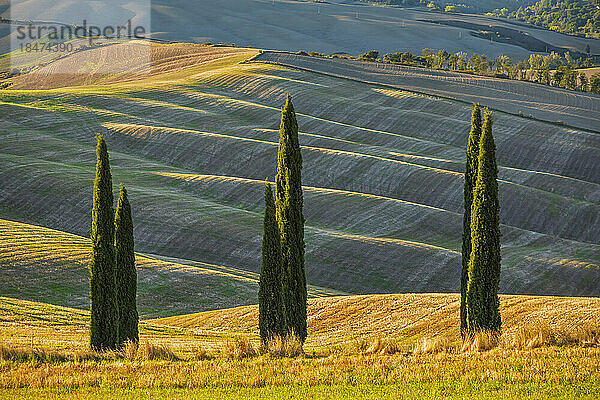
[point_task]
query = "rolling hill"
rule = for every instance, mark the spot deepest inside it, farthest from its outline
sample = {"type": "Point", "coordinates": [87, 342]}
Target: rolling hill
{"type": "Point", "coordinates": [50, 266]}
{"type": "Point", "coordinates": [409, 317]}
{"type": "Point", "coordinates": [333, 321]}
{"type": "Point", "coordinates": [581, 110]}
{"type": "Point", "coordinates": [382, 174]}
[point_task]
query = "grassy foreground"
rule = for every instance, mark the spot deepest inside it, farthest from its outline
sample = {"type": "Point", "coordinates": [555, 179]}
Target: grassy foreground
{"type": "Point", "coordinates": [43, 354]}
{"type": "Point", "coordinates": [498, 373]}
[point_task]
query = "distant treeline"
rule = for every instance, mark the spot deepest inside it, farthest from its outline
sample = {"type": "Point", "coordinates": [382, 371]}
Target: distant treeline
{"type": "Point", "coordinates": [574, 17]}
{"type": "Point", "coordinates": [555, 69]}
{"type": "Point", "coordinates": [579, 17]}
{"type": "Point", "coordinates": [458, 5]}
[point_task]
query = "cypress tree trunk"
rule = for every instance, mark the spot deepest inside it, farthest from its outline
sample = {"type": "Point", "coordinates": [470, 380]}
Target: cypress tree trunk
{"type": "Point", "coordinates": [126, 273]}
{"type": "Point", "coordinates": [484, 264]}
{"type": "Point", "coordinates": [104, 328]}
{"type": "Point", "coordinates": [270, 300]}
{"type": "Point", "coordinates": [470, 181]}
{"type": "Point", "coordinates": [291, 222]}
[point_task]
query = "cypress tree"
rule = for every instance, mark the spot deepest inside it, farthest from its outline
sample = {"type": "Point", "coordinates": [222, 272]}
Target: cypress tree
{"type": "Point", "coordinates": [290, 220]}
{"type": "Point", "coordinates": [470, 181]}
{"type": "Point", "coordinates": [484, 263]}
{"type": "Point", "coordinates": [270, 300]}
{"type": "Point", "coordinates": [126, 274]}
{"type": "Point", "coordinates": [104, 328]}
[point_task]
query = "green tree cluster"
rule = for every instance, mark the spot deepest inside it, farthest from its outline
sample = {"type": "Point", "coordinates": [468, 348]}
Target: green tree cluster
{"type": "Point", "coordinates": [290, 231]}
{"type": "Point", "coordinates": [576, 17]}
{"type": "Point", "coordinates": [369, 55]}
{"type": "Point", "coordinates": [594, 84]}
{"type": "Point", "coordinates": [112, 281]}
{"type": "Point", "coordinates": [560, 70]}
{"type": "Point", "coordinates": [481, 302]}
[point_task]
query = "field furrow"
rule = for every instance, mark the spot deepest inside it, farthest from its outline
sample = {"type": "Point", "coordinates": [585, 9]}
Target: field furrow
{"type": "Point", "coordinates": [382, 175]}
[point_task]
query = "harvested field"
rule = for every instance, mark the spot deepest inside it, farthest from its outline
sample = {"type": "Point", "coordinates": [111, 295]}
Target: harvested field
{"type": "Point", "coordinates": [117, 63]}
{"type": "Point", "coordinates": [51, 266]}
{"type": "Point", "coordinates": [194, 148]}
{"type": "Point", "coordinates": [377, 359]}
{"type": "Point", "coordinates": [409, 317]}
{"type": "Point", "coordinates": [35, 325]}
{"type": "Point", "coordinates": [546, 103]}
{"type": "Point", "coordinates": [332, 321]}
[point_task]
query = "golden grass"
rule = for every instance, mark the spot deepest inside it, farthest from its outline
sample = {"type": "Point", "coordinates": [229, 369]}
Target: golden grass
{"type": "Point", "coordinates": [148, 351]}
{"type": "Point", "coordinates": [8, 353]}
{"type": "Point", "coordinates": [480, 341]}
{"type": "Point", "coordinates": [501, 366]}
{"type": "Point", "coordinates": [348, 320]}
{"type": "Point", "coordinates": [238, 348]}
{"type": "Point", "coordinates": [411, 357]}
{"type": "Point", "coordinates": [431, 345]}
{"type": "Point", "coordinates": [283, 346]}
{"type": "Point", "coordinates": [544, 335]}
{"type": "Point", "coordinates": [144, 351]}
{"type": "Point", "coordinates": [199, 353]}
{"type": "Point", "coordinates": [383, 347]}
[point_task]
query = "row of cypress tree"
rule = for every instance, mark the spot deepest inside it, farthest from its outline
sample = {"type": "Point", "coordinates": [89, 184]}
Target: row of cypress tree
{"type": "Point", "coordinates": [113, 278]}
{"type": "Point", "coordinates": [480, 276]}
{"type": "Point", "coordinates": [282, 291]}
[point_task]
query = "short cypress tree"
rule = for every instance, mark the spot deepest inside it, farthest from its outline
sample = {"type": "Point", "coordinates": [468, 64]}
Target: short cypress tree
{"type": "Point", "coordinates": [104, 328]}
{"type": "Point", "coordinates": [290, 220]}
{"type": "Point", "coordinates": [270, 301]}
{"type": "Point", "coordinates": [484, 264]}
{"type": "Point", "coordinates": [470, 181]}
{"type": "Point", "coordinates": [126, 274]}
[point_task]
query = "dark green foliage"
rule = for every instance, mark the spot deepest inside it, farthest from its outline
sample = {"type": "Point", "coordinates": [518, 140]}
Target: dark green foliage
{"type": "Point", "coordinates": [401, 58]}
{"type": "Point", "coordinates": [291, 221]}
{"type": "Point", "coordinates": [463, 5]}
{"type": "Point", "coordinates": [270, 301]}
{"type": "Point", "coordinates": [125, 271]}
{"type": "Point", "coordinates": [484, 264]}
{"type": "Point", "coordinates": [104, 328]}
{"type": "Point", "coordinates": [470, 181]}
{"type": "Point", "coordinates": [581, 17]}
{"type": "Point", "coordinates": [595, 83]}
{"type": "Point", "coordinates": [369, 55]}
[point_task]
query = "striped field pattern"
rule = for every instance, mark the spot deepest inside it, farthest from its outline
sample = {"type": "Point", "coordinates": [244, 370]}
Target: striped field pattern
{"type": "Point", "coordinates": [382, 174]}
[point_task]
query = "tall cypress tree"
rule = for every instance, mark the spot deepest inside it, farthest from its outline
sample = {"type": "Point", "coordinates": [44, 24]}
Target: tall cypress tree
{"type": "Point", "coordinates": [290, 220]}
{"type": "Point", "coordinates": [484, 264]}
{"type": "Point", "coordinates": [104, 328]}
{"type": "Point", "coordinates": [270, 301]}
{"type": "Point", "coordinates": [470, 181]}
{"type": "Point", "coordinates": [126, 274]}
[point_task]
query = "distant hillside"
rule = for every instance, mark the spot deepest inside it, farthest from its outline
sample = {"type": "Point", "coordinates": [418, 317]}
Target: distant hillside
{"type": "Point", "coordinates": [330, 27]}
{"type": "Point", "coordinates": [581, 17]}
